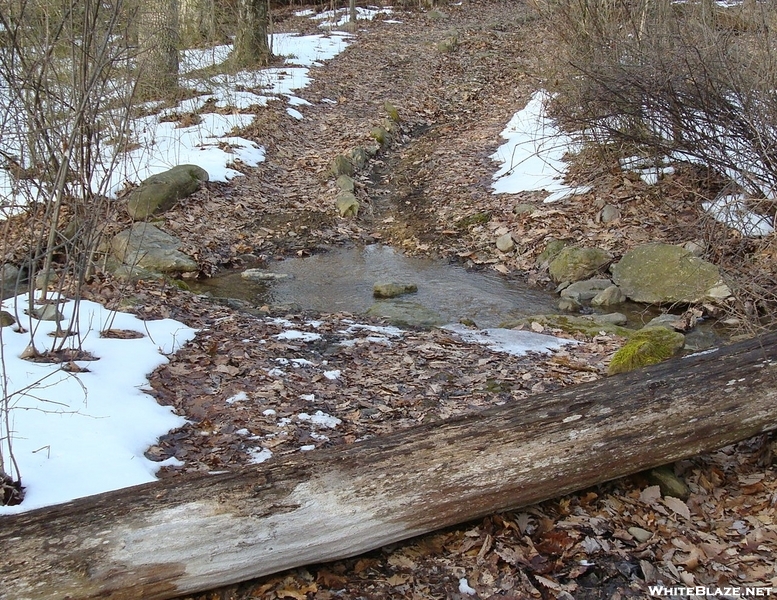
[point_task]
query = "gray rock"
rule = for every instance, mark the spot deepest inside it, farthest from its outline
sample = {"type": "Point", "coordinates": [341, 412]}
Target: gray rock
{"type": "Point", "coordinates": [47, 312]}
{"type": "Point", "coordinates": [524, 209]}
{"type": "Point", "coordinates": [347, 204]}
{"type": "Point", "coordinates": [406, 314]}
{"type": "Point", "coordinates": [586, 290]}
{"type": "Point", "coordinates": [45, 279]}
{"type": "Point", "coordinates": [124, 272]}
{"type": "Point", "coordinates": [609, 213]}
{"type": "Point", "coordinates": [694, 248]}
{"type": "Point", "coordinates": [662, 273]}
{"type": "Point", "coordinates": [574, 263]}
{"type": "Point", "coordinates": [160, 192]}
{"type": "Point", "coordinates": [146, 246]}
{"type": "Point", "coordinates": [672, 322]}
{"type": "Point", "coordinates": [9, 274]}
{"type": "Point", "coordinates": [393, 289]}
{"type": "Point", "coordinates": [341, 165]}
{"type": "Point", "coordinates": [609, 296]}
{"type": "Point", "coordinates": [504, 243]}
{"type": "Point", "coordinates": [262, 275]}
{"type": "Point", "coordinates": [609, 319]}
{"type": "Point", "coordinates": [569, 305]}
{"type": "Point", "coordinates": [359, 157]}
{"type": "Point", "coordinates": [345, 183]}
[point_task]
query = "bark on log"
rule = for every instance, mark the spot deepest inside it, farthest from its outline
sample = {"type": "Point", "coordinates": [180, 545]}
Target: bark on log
{"type": "Point", "coordinates": [184, 535]}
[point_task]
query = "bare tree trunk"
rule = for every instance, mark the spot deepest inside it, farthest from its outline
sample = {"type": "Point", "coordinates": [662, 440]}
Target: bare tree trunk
{"type": "Point", "coordinates": [171, 538]}
{"type": "Point", "coordinates": [158, 45]}
{"type": "Point", "coordinates": [197, 22]}
{"type": "Point", "coordinates": [251, 44]}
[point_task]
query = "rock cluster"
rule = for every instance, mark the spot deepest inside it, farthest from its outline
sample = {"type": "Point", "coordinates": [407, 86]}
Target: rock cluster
{"type": "Point", "coordinates": [143, 250]}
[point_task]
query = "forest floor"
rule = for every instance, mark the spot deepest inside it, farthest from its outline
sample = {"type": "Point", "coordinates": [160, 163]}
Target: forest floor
{"type": "Point", "coordinates": [428, 192]}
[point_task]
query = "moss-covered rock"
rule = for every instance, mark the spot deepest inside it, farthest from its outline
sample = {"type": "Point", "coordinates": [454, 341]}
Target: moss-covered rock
{"type": "Point", "coordinates": [347, 204]}
{"type": "Point", "coordinates": [647, 346]}
{"type": "Point", "coordinates": [380, 135]}
{"type": "Point", "coordinates": [359, 157]}
{"type": "Point", "coordinates": [345, 183]}
{"type": "Point", "coordinates": [665, 274]}
{"type": "Point", "coordinates": [590, 325]}
{"type": "Point", "coordinates": [393, 289]}
{"type": "Point", "coordinates": [670, 484]}
{"type": "Point", "coordinates": [391, 111]}
{"type": "Point", "coordinates": [160, 192]}
{"type": "Point", "coordinates": [341, 165]}
{"type": "Point", "coordinates": [406, 314]}
{"type": "Point", "coordinates": [551, 251]}
{"type": "Point", "coordinates": [574, 263]}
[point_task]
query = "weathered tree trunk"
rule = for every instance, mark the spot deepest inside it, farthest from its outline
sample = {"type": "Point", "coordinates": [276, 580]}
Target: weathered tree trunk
{"type": "Point", "coordinates": [157, 29]}
{"type": "Point", "coordinates": [196, 22]}
{"type": "Point", "coordinates": [251, 45]}
{"type": "Point", "coordinates": [179, 536]}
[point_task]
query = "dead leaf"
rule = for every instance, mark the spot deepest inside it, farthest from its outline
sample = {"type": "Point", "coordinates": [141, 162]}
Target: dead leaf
{"type": "Point", "coordinates": [677, 506]}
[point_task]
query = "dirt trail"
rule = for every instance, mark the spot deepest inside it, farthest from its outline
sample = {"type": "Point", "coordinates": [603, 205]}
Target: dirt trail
{"type": "Point", "coordinates": [453, 104]}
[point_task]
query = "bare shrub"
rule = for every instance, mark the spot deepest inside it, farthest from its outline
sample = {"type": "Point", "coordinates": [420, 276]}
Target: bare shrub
{"type": "Point", "coordinates": [688, 80]}
{"type": "Point", "coordinates": [65, 86]}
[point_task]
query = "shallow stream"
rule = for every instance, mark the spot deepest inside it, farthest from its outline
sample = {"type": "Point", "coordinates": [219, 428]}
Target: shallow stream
{"type": "Point", "coordinates": [341, 280]}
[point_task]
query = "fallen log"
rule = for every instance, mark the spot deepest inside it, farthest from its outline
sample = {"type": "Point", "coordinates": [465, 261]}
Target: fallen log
{"type": "Point", "coordinates": [184, 535]}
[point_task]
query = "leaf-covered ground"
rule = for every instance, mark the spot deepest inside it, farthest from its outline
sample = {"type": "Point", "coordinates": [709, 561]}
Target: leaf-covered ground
{"type": "Point", "coordinates": [246, 387]}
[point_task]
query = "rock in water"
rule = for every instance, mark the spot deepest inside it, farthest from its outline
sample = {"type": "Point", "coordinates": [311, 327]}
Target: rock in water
{"type": "Point", "coordinates": [609, 296]}
{"type": "Point", "coordinates": [393, 289]}
{"type": "Point", "coordinates": [406, 314]}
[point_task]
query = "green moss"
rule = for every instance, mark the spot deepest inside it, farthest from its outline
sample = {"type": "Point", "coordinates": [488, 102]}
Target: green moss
{"type": "Point", "coordinates": [391, 111]}
{"type": "Point", "coordinates": [647, 346]}
{"type": "Point", "coordinates": [476, 219]}
{"type": "Point", "coordinates": [551, 251]}
{"type": "Point", "coordinates": [380, 135]}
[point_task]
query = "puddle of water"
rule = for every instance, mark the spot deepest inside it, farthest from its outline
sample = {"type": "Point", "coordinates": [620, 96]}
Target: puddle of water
{"type": "Point", "coordinates": [341, 281]}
